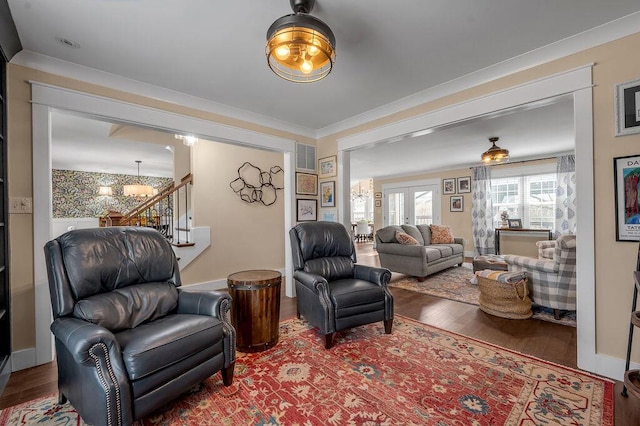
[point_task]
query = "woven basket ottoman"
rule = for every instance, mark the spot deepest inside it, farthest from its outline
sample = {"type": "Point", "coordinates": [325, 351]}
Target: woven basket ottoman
{"type": "Point", "coordinates": [504, 294]}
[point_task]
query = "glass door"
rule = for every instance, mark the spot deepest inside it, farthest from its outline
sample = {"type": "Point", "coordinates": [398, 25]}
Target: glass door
{"type": "Point", "coordinates": [394, 211]}
{"type": "Point", "coordinates": [422, 199]}
{"type": "Point", "coordinates": [415, 205]}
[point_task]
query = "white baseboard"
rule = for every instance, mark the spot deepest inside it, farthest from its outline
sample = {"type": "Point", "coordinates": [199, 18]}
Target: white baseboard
{"type": "Point", "coordinates": [215, 284]}
{"type": "Point", "coordinates": [611, 367]}
{"type": "Point", "coordinates": [23, 359]}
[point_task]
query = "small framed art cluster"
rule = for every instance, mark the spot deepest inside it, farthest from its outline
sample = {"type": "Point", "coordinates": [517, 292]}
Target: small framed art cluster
{"type": "Point", "coordinates": [461, 185]}
{"type": "Point", "coordinates": [327, 167]}
{"type": "Point", "coordinates": [307, 184]}
{"type": "Point", "coordinates": [377, 199]}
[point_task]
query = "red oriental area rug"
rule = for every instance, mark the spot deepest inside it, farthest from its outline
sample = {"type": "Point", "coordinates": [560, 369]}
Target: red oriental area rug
{"type": "Point", "coordinates": [419, 375]}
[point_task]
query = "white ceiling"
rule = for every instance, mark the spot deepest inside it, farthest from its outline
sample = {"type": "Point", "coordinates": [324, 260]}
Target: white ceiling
{"type": "Point", "coordinates": [387, 51]}
{"type": "Point", "coordinates": [85, 144]}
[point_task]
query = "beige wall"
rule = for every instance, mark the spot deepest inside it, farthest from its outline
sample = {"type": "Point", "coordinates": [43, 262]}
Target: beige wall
{"type": "Point", "coordinates": [614, 261]}
{"type": "Point", "coordinates": [243, 235]}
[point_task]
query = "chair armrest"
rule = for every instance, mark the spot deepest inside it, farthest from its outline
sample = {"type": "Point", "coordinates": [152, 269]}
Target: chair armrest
{"type": "Point", "coordinates": [79, 337]}
{"type": "Point", "coordinates": [314, 282]}
{"type": "Point", "coordinates": [215, 304]}
{"type": "Point", "coordinates": [531, 263]}
{"type": "Point", "coordinates": [90, 360]}
{"type": "Point", "coordinates": [380, 276]}
{"type": "Point", "coordinates": [545, 244]}
{"type": "Point", "coordinates": [458, 240]}
{"type": "Point", "coordinates": [211, 303]}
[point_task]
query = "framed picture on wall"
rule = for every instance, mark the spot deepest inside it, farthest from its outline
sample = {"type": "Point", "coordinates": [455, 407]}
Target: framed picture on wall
{"type": "Point", "coordinates": [449, 186]}
{"type": "Point", "coordinates": [378, 203]}
{"type": "Point", "coordinates": [464, 184]}
{"type": "Point", "coordinates": [327, 167]}
{"type": "Point", "coordinates": [328, 194]}
{"type": "Point", "coordinates": [307, 210]}
{"type": "Point", "coordinates": [456, 203]}
{"type": "Point", "coordinates": [329, 215]}
{"type": "Point", "coordinates": [627, 100]}
{"type": "Point", "coordinates": [306, 184]}
{"type": "Point", "coordinates": [626, 171]}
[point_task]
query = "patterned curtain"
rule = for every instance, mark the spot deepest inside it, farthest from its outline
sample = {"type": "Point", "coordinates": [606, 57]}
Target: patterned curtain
{"type": "Point", "coordinates": [482, 211]}
{"type": "Point", "coordinates": [566, 195]}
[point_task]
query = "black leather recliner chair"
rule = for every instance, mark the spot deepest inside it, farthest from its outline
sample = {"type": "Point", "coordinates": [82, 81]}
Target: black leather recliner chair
{"type": "Point", "coordinates": [127, 339]}
{"type": "Point", "coordinates": [333, 292]}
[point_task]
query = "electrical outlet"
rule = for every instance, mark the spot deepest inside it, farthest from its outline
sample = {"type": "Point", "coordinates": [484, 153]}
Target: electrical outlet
{"type": "Point", "coordinates": [20, 205]}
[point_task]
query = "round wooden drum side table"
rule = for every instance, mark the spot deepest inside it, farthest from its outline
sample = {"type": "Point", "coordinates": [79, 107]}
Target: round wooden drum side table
{"type": "Point", "coordinates": [255, 310]}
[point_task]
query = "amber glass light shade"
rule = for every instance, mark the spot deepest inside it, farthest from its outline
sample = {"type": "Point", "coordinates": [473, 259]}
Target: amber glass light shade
{"type": "Point", "coordinates": [300, 47]}
{"type": "Point", "coordinates": [495, 154]}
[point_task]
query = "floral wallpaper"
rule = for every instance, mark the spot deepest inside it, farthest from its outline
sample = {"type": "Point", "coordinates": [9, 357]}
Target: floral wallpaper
{"type": "Point", "coordinates": [75, 194]}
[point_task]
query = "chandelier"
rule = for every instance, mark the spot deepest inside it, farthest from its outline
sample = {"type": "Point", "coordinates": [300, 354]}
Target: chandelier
{"type": "Point", "coordinates": [495, 154]}
{"type": "Point", "coordinates": [300, 47]}
{"type": "Point", "coordinates": [361, 193]}
{"type": "Point", "coordinates": [138, 190]}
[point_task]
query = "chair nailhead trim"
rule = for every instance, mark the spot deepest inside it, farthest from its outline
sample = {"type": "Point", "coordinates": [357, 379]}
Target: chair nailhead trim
{"type": "Point", "coordinates": [105, 385]}
{"type": "Point", "coordinates": [224, 314]}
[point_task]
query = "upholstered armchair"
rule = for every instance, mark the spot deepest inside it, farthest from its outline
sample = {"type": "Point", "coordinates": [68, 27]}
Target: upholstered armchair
{"type": "Point", "coordinates": [552, 277]}
{"type": "Point", "coordinates": [128, 340]}
{"type": "Point", "coordinates": [333, 292]}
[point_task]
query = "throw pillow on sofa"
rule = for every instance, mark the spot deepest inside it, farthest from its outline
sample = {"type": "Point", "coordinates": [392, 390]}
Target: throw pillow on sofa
{"type": "Point", "coordinates": [441, 234]}
{"type": "Point", "coordinates": [406, 239]}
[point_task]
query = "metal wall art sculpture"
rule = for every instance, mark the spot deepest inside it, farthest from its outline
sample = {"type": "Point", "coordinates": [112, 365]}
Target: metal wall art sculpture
{"type": "Point", "coordinates": [253, 185]}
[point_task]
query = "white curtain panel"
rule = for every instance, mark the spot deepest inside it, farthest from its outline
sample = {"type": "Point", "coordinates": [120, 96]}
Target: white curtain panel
{"type": "Point", "coordinates": [482, 211]}
{"type": "Point", "coordinates": [566, 195]}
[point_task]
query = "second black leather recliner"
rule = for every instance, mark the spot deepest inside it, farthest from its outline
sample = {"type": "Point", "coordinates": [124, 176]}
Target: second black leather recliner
{"type": "Point", "coordinates": [333, 292]}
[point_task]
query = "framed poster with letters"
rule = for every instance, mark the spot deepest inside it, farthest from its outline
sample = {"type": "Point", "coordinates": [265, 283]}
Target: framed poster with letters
{"type": "Point", "coordinates": [626, 172]}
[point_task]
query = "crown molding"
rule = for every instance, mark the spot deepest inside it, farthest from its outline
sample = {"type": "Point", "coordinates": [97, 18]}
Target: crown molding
{"type": "Point", "coordinates": [605, 33]}
{"type": "Point", "coordinates": [52, 65]}
{"type": "Point", "coordinates": [602, 34]}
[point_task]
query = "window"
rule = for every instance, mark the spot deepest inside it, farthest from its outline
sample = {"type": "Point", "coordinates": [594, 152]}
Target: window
{"type": "Point", "coordinates": [531, 198]}
{"type": "Point", "coordinates": [361, 208]}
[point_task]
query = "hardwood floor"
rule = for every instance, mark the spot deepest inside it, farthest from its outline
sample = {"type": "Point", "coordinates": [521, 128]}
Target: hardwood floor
{"type": "Point", "coordinates": [546, 340]}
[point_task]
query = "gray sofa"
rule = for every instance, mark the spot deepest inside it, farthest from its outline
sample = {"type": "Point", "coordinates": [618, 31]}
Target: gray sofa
{"type": "Point", "coordinates": [416, 260]}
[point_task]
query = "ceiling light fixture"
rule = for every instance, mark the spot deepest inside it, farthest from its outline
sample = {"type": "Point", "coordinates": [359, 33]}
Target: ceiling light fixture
{"type": "Point", "coordinates": [300, 47]}
{"type": "Point", "coordinates": [495, 154]}
{"type": "Point", "coordinates": [362, 193]}
{"type": "Point", "coordinates": [138, 190]}
{"type": "Point", "coordinates": [188, 140]}
{"type": "Point", "coordinates": [105, 190]}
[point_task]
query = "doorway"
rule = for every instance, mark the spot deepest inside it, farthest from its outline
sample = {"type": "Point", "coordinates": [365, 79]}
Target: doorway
{"type": "Point", "coordinates": [415, 203]}
{"type": "Point", "coordinates": [577, 84]}
{"type": "Point", "coordinates": [47, 98]}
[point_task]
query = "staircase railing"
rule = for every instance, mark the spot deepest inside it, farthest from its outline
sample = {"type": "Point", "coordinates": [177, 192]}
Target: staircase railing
{"type": "Point", "coordinates": [168, 212]}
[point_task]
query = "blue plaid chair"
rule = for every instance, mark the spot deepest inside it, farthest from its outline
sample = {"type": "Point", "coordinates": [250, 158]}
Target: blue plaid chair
{"type": "Point", "coordinates": [552, 281]}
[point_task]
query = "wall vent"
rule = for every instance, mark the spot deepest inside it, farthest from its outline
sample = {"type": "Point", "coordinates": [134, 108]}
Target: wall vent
{"type": "Point", "coordinates": [305, 157]}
